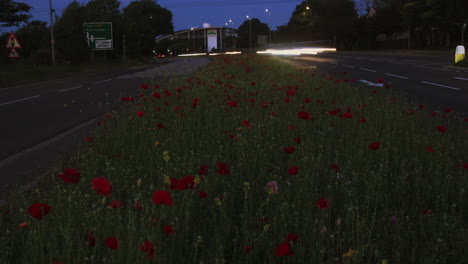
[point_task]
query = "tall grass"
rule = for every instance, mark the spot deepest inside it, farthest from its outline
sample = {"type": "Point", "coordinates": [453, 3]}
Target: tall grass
{"type": "Point", "coordinates": [361, 177]}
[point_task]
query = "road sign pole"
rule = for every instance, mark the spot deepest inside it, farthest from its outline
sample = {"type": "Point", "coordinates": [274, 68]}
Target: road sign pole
{"type": "Point", "coordinates": [124, 47]}
{"type": "Point", "coordinates": [52, 41]}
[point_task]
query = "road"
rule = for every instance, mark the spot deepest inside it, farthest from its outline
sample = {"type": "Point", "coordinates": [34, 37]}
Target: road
{"type": "Point", "coordinates": [425, 79]}
{"type": "Point", "coordinates": [44, 122]}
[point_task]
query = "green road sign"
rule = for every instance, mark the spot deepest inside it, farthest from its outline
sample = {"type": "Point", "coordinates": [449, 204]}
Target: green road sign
{"type": "Point", "coordinates": [98, 35]}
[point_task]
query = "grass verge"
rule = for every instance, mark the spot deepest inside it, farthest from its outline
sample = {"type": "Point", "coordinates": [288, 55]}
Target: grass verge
{"type": "Point", "coordinates": [252, 160]}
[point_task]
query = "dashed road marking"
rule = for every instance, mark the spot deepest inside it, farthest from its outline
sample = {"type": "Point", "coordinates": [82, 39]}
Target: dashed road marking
{"type": "Point", "coordinates": [19, 100]}
{"type": "Point", "coordinates": [432, 68]}
{"type": "Point", "coordinates": [460, 78]}
{"type": "Point", "coordinates": [68, 89]}
{"type": "Point", "coordinates": [440, 85]}
{"type": "Point", "coordinates": [108, 80]}
{"type": "Point", "coordinates": [398, 76]}
{"type": "Point", "coordinates": [349, 66]}
{"type": "Point", "coordinates": [369, 70]}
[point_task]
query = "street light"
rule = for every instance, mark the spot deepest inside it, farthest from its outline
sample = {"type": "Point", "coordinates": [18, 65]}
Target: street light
{"type": "Point", "coordinates": [250, 34]}
{"type": "Point", "coordinates": [269, 25]}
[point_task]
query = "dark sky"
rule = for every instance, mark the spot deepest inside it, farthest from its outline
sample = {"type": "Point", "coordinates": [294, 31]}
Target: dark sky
{"type": "Point", "coordinates": [187, 14]}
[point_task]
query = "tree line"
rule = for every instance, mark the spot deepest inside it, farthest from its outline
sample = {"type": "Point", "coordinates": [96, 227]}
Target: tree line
{"type": "Point", "coordinates": [139, 22]}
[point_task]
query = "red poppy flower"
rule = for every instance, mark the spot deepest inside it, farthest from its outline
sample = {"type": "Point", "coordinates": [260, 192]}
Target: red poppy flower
{"type": "Point", "coordinates": [362, 120]}
{"type": "Point", "coordinates": [253, 83]}
{"type": "Point", "coordinates": [430, 149]}
{"type": "Point", "coordinates": [202, 194]}
{"type": "Point", "coordinates": [292, 237]}
{"type": "Point", "coordinates": [379, 80]}
{"type": "Point", "coordinates": [187, 182]}
{"type": "Point", "coordinates": [334, 167]}
{"type": "Point", "coordinates": [162, 197]}
{"type": "Point", "coordinates": [203, 170]}
{"type": "Point", "coordinates": [70, 175]}
{"type": "Point", "coordinates": [289, 149]}
{"type": "Point", "coordinates": [112, 243]}
{"type": "Point", "coordinates": [102, 186]}
{"type": "Point", "coordinates": [284, 250]}
{"type": "Point", "coordinates": [116, 204]}
{"type": "Point", "coordinates": [148, 248]}
{"type": "Point", "coordinates": [427, 212]}
{"type": "Point", "coordinates": [322, 203]}
{"type": "Point", "coordinates": [140, 113]}
{"type": "Point", "coordinates": [89, 139]}
{"type": "Point", "coordinates": [156, 86]}
{"type": "Point", "coordinates": [143, 86]}
{"type": "Point", "coordinates": [441, 129]}
{"type": "Point", "coordinates": [297, 140]}
{"type": "Point", "coordinates": [247, 249]}
{"type": "Point", "coordinates": [293, 170]}
{"type": "Point", "coordinates": [168, 229]}
{"type": "Point", "coordinates": [91, 239]}
{"type": "Point", "coordinates": [465, 166]}
{"type": "Point", "coordinates": [304, 115]}
{"type": "Point", "coordinates": [421, 107]}
{"type": "Point", "coordinates": [246, 123]}
{"type": "Point", "coordinates": [448, 110]}
{"type": "Point", "coordinates": [167, 93]}
{"type": "Point", "coordinates": [160, 126]}
{"type": "Point", "coordinates": [290, 92]}
{"type": "Point", "coordinates": [156, 95]}
{"type": "Point", "coordinates": [233, 104]}
{"type": "Point", "coordinates": [347, 115]}
{"type": "Point", "coordinates": [39, 210]}
{"type": "Point", "coordinates": [466, 119]}
{"type": "Point", "coordinates": [195, 102]}
{"type": "Point", "coordinates": [374, 145]}
{"type": "Point", "coordinates": [222, 168]}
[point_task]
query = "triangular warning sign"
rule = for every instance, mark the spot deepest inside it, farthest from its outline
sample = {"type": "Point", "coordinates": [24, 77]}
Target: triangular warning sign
{"type": "Point", "coordinates": [13, 54]}
{"type": "Point", "coordinates": [12, 42]}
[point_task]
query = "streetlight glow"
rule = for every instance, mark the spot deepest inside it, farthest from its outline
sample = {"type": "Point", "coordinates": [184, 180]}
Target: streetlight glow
{"type": "Point", "coordinates": [269, 25]}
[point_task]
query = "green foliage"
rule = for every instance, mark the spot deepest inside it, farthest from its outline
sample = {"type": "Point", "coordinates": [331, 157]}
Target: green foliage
{"type": "Point", "coordinates": [248, 32]}
{"type": "Point", "coordinates": [13, 13]}
{"type": "Point", "coordinates": [143, 21]}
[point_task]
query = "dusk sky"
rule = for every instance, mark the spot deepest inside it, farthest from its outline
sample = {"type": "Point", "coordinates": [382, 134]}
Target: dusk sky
{"type": "Point", "coordinates": [187, 14]}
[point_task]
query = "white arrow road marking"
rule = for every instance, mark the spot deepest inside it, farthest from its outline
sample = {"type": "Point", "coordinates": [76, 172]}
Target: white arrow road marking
{"type": "Point", "coordinates": [440, 85]}
{"type": "Point", "coordinates": [68, 89]}
{"type": "Point", "coordinates": [460, 78]}
{"type": "Point", "coordinates": [371, 83]}
{"type": "Point", "coordinates": [108, 80]}
{"type": "Point", "coordinates": [398, 76]}
{"type": "Point", "coordinates": [364, 69]}
{"type": "Point", "coordinates": [24, 99]}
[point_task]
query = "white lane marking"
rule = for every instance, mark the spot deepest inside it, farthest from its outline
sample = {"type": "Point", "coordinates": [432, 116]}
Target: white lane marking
{"type": "Point", "coordinates": [349, 66]}
{"type": "Point", "coordinates": [4, 89]}
{"type": "Point", "coordinates": [68, 89]}
{"type": "Point", "coordinates": [398, 76]}
{"type": "Point", "coordinates": [364, 69]}
{"type": "Point", "coordinates": [448, 87]}
{"type": "Point", "coordinates": [371, 83]}
{"type": "Point", "coordinates": [460, 78]}
{"type": "Point", "coordinates": [24, 99]}
{"type": "Point", "coordinates": [108, 80]}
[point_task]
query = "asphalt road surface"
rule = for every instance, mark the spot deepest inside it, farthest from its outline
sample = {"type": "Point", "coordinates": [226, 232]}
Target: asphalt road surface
{"type": "Point", "coordinates": [44, 122]}
{"type": "Point", "coordinates": [424, 79]}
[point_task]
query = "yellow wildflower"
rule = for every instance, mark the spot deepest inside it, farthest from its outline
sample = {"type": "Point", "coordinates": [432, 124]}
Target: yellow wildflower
{"type": "Point", "coordinates": [197, 180]}
{"type": "Point", "coordinates": [166, 156]}
{"type": "Point", "coordinates": [384, 261]}
{"type": "Point", "coordinates": [167, 179]}
{"type": "Point", "coordinates": [266, 228]}
{"type": "Point", "coordinates": [349, 254]}
{"type": "Point", "coordinates": [246, 186]}
{"type": "Point", "coordinates": [217, 201]}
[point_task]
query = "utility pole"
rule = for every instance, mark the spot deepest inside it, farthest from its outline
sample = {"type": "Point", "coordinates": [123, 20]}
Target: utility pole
{"type": "Point", "coordinates": [269, 25]}
{"type": "Point", "coordinates": [462, 33]}
{"type": "Point", "coordinates": [250, 34]}
{"type": "Point", "coordinates": [52, 41]}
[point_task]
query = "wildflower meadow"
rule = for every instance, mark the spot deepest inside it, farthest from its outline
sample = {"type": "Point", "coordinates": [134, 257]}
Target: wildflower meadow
{"type": "Point", "coordinates": [253, 160]}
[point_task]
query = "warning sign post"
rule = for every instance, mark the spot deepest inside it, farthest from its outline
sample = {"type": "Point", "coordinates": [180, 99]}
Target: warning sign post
{"type": "Point", "coordinates": [13, 54]}
{"type": "Point", "coordinates": [12, 43]}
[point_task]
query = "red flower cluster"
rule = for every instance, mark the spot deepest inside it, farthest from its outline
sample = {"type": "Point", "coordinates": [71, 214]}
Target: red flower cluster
{"type": "Point", "coordinates": [285, 249]}
{"type": "Point", "coordinates": [162, 197]}
{"type": "Point", "coordinates": [39, 210]}
{"type": "Point", "coordinates": [222, 168]}
{"type": "Point", "coordinates": [187, 182]}
{"type": "Point", "coordinates": [102, 186]}
{"type": "Point", "coordinates": [70, 175]}
{"type": "Point", "coordinates": [322, 203]}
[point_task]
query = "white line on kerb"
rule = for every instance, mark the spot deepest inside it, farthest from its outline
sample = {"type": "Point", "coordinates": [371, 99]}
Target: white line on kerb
{"type": "Point", "coordinates": [24, 99]}
{"type": "Point", "coordinates": [449, 87]}
{"type": "Point", "coordinates": [349, 66]}
{"type": "Point", "coordinates": [364, 69]}
{"type": "Point", "coordinates": [68, 89]}
{"type": "Point", "coordinates": [108, 80]}
{"type": "Point", "coordinates": [460, 78]}
{"type": "Point", "coordinates": [398, 76]}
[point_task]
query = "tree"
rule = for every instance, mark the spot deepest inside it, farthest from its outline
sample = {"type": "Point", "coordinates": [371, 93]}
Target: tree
{"type": "Point", "coordinates": [13, 13]}
{"type": "Point", "coordinates": [35, 39]}
{"type": "Point", "coordinates": [69, 37]}
{"type": "Point", "coordinates": [144, 20]}
{"type": "Point", "coordinates": [249, 31]}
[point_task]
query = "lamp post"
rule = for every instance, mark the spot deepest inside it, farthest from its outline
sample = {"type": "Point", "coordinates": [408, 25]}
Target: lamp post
{"type": "Point", "coordinates": [269, 25]}
{"type": "Point", "coordinates": [52, 40]}
{"type": "Point", "coordinates": [193, 37]}
{"type": "Point", "coordinates": [250, 34]}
